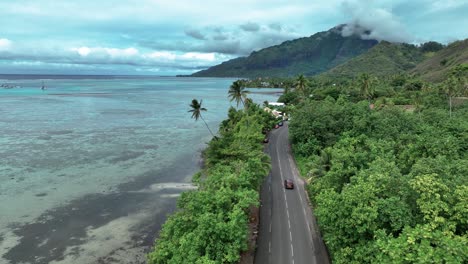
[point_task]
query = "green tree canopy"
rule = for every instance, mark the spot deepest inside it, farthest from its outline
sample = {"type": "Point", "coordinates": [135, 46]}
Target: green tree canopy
{"type": "Point", "coordinates": [237, 93]}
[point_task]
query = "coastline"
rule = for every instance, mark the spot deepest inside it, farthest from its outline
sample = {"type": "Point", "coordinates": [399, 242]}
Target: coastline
{"type": "Point", "coordinates": [226, 199]}
{"type": "Point", "coordinates": [110, 220]}
{"type": "Point", "coordinates": [89, 173]}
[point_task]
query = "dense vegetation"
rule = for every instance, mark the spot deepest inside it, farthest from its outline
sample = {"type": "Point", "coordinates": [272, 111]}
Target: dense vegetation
{"type": "Point", "coordinates": [387, 166]}
{"type": "Point", "coordinates": [268, 82]}
{"type": "Point", "coordinates": [382, 60]}
{"type": "Point", "coordinates": [385, 155]}
{"type": "Point", "coordinates": [211, 224]}
{"type": "Point", "coordinates": [309, 55]}
{"type": "Point", "coordinates": [430, 61]}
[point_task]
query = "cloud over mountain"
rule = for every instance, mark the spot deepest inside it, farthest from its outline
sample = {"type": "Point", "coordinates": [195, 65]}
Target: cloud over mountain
{"type": "Point", "coordinates": [371, 22]}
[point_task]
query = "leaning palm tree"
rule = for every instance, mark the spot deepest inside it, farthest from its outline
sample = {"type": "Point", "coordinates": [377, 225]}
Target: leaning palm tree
{"type": "Point", "coordinates": [301, 84]}
{"type": "Point", "coordinates": [238, 93]}
{"type": "Point", "coordinates": [196, 112]}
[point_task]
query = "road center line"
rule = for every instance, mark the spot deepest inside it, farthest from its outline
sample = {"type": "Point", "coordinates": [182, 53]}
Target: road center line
{"type": "Point", "coordinates": [279, 163]}
{"type": "Point", "coordinates": [296, 175]}
{"type": "Point", "coordinates": [285, 199]}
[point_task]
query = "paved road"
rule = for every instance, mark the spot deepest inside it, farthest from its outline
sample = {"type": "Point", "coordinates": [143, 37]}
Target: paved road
{"type": "Point", "coordinates": [288, 231]}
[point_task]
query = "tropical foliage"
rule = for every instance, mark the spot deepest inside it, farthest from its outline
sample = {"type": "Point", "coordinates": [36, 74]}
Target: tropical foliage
{"type": "Point", "coordinates": [211, 223]}
{"type": "Point", "coordinates": [383, 59]}
{"type": "Point", "coordinates": [366, 85]}
{"type": "Point", "coordinates": [389, 185]}
{"type": "Point", "coordinates": [238, 93]}
{"type": "Point", "coordinates": [301, 84]}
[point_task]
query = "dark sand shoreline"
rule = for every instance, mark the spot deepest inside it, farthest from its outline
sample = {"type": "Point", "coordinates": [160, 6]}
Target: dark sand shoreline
{"type": "Point", "coordinates": [51, 236]}
{"type": "Point", "coordinates": [267, 92]}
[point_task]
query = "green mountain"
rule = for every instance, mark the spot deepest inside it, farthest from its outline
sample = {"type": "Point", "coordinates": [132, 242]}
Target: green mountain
{"type": "Point", "coordinates": [436, 67]}
{"type": "Point", "coordinates": [310, 56]}
{"type": "Point", "coordinates": [383, 59]}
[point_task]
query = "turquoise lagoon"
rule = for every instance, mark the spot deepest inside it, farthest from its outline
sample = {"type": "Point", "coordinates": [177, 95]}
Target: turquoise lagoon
{"type": "Point", "coordinates": [91, 166]}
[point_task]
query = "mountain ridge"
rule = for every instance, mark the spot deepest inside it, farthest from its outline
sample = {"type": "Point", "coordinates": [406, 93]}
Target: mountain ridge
{"type": "Point", "coordinates": [307, 55]}
{"type": "Point", "coordinates": [329, 54]}
{"type": "Point", "coordinates": [436, 67]}
{"type": "Point", "coordinates": [385, 58]}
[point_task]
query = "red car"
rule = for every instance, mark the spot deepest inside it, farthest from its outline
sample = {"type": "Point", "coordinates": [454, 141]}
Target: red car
{"type": "Point", "coordinates": [288, 184]}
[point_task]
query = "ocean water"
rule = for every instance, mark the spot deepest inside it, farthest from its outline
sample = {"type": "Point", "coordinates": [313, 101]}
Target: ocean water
{"type": "Point", "coordinates": [91, 166]}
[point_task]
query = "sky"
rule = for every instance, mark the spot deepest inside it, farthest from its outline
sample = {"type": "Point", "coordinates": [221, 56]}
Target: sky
{"type": "Point", "coordinates": [159, 37]}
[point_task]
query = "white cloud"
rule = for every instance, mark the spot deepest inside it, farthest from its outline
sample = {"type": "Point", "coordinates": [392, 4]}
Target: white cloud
{"type": "Point", "coordinates": [112, 52]}
{"type": "Point", "coordinates": [107, 56]}
{"type": "Point", "coordinates": [5, 44]}
{"type": "Point", "coordinates": [161, 55]}
{"type": "Point", "coordinates": [372, 22]}
{"type": "Point", "coordinates": [209, 57]}
{"type": "Point", "coordinates": [188, 57]}
{"type": "Point", "coordinates": [83, 51]}
{"type": "Point", "coordinates": [128, 52]}
{"type": "Point", "coordinates": [446, 4]}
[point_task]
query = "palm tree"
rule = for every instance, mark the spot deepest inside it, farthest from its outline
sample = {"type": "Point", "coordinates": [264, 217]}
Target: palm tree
{"type": "Point", "coordinates": [366, 83]}
{"type": "Point", "coordinates": [418, 103]}
{"type": "Point", "coordinates": [196, 112]}
{"type": "Point", "coordinates": [457, 83]}
{"type": "Point", "coordinates": [301, 84]}
{"type": "Point", "coordinates": [238, 93]}
{"type": "Point", "coordinates": [248, 102]}
{"type": "Point", "coordinates": [451, 89]}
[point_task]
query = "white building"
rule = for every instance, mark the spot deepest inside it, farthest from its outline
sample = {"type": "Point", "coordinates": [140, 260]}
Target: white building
{"type": "Point", "coordinates": [276, 104]}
